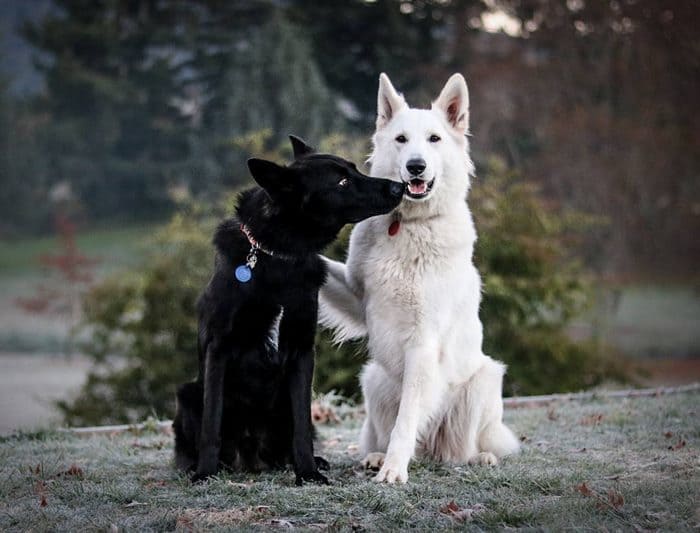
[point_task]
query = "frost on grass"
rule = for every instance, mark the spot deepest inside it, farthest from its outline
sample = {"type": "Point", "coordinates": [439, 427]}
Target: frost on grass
{"type": "Point", "coordinates": [599, 464]}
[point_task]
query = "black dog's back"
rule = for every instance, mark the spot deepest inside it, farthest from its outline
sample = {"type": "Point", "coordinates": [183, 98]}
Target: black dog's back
{"type": "Point", "coordinates": [250, 405]}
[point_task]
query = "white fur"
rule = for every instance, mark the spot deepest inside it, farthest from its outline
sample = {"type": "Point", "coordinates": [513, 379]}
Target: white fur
{"type": "Point", "coordinates": [428, 387]}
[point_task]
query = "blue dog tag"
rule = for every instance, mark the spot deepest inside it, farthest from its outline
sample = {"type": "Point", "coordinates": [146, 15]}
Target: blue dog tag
{"type": "Point", "coordinates": [243, 273]}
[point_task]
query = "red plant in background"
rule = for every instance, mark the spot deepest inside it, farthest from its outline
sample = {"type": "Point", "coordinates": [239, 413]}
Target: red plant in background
{"type": "Point", "coordinates": [73, 270]}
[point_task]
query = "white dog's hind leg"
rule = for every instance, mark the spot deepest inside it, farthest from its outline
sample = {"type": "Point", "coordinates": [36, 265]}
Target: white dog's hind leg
{"type": "Point", "coordinates": [339, 307]}
{"type": "Point", "coordinates": [472, 430]}
{"type": "Point", "coordinates": [494, 436]}
{"type": "Point", "coordinates": [485, 410]}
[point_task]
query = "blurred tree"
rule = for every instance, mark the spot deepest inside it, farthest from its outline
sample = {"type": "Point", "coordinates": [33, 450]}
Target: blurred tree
{"type": "Point", "coordinates": [607, 94]}
{"type": "Point", "coordinates": [267, 80]}
{"type": "Point", "coordinates": [23, 170]}
{"type": "Point", "coordinates": [114, 132]}
{"type": "Point", "coordinates": [414, 41]}
{"type": "Point", "coordinates": [143, 327]}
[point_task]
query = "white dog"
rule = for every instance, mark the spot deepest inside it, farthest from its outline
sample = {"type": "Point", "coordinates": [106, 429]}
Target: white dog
{"type": "Point", "coordinates": [410, 286]}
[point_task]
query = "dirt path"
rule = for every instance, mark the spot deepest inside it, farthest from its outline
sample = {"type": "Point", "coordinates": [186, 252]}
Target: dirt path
{"type": "Point", "coordinates": [30, 383]}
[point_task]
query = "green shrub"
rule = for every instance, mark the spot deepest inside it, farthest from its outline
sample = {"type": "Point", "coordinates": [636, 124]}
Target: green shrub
{"type": "Point", "coordinates": [532, 287]}
{"type": "Point", "coordinates": [142, 325]}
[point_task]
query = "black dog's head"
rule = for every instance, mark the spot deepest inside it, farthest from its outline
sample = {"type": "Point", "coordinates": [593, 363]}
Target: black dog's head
{"type": "Point", "coordinates": [324, 189]}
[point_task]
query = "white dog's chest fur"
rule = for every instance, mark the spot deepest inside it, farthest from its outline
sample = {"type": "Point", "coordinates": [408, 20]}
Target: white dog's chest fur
{"type": "Point", "coordinates": [423, 284]}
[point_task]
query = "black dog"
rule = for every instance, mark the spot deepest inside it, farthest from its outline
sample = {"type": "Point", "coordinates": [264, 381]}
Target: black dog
{"type": "Point", "coordinates": [250, 405]}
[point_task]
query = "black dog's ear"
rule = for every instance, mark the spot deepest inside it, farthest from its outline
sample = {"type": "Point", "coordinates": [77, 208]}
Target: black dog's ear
{"type": "Point", "coordinates": [300, 147]}
{"type": "Point", "coordinates": [270, 176]}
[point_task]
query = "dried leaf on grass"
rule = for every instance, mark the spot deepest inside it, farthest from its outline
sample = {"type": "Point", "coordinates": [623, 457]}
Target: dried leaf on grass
{"type": "Point", "coordinates": [459, 514]}
{"type": "Point", "coordinates": [592, 420]}
{"type": "Point", "coordinates": [72, 471]}
{"type": "Point", "coordinates": [583, 489]}
{"type": "Point", "coordinates": [40, 490]}
{"type": "Point", "coordinates": [193, 519]}
{"type": "Point", "coordinates": [680, 444]}
{"type": "Point", "coordinates": [613, 500]}
{"type": "Point", "coordinates": [323, 413]}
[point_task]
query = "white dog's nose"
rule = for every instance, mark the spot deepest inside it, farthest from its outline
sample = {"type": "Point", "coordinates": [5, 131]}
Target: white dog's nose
{"type": "Point", "coordinates": [415, 166]}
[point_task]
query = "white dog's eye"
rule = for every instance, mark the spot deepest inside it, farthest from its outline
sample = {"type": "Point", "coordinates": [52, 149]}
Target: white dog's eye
{"type": "Point", "coordinates": [434, 138]}
{"type": "Point", "coordinates": [401, 139]}
{"type": "Point", "coordinates": [343, 182]}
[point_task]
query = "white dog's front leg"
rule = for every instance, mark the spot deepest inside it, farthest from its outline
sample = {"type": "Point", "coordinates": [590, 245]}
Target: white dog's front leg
{"type": "Point", "coordinates": [417, 394]}
{"type": "Point", "coordinates": [340, 305]}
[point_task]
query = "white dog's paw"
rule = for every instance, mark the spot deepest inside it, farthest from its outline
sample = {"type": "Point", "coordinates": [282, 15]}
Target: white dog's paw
{"type": "Point", "coordinates": [483, 458]}
{"type": "Point", "coordinates": [392, 472]}
{"type": "Point", "coordinates": [373, 461]}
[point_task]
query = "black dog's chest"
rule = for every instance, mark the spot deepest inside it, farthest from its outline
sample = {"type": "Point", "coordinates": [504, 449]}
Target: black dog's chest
{"type": "Point", "coordinates": [284, 283]}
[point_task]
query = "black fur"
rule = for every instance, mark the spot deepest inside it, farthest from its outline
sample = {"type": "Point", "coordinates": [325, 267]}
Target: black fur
{"type": "Point", "coordinates": [250, 405]}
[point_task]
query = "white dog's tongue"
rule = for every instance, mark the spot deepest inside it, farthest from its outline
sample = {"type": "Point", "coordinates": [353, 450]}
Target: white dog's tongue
{"type": "Point", "coordinates": [417, 186]}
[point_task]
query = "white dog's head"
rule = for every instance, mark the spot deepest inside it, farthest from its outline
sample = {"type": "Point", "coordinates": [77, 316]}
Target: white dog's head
{"type": "Point", "coordinates": [427, 149]}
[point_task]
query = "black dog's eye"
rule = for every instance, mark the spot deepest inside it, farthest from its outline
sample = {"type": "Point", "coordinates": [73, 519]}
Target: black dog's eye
{"type": "Point", "coordinates": [343, 182]}
{"type": "Point", "coordinates": [401, 139]}
{"type": "Point", "coordinates": [434, 138]}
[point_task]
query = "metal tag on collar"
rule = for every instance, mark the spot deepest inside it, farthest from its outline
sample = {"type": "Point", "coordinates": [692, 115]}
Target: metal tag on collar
{"type": "Point", "coordinates": [244, 273]}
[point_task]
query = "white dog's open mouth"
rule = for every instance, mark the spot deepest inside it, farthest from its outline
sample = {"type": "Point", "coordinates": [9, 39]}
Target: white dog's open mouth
{"type": "Point", "coordinates": [418, 188]}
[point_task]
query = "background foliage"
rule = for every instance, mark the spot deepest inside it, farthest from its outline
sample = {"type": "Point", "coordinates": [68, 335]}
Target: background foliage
{"type": "Point", "coordinates": [147, 110]}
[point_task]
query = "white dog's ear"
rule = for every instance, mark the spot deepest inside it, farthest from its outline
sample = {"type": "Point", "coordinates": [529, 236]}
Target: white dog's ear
{"type": "Point", "coordinates": [454, 102]}
{"type": "Point", "coordinates": [389, 102]}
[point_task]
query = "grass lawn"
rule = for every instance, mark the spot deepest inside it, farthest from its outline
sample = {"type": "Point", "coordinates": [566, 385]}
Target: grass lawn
{"type": "Point", "coordinates": [115, 247]}
{"type": "Point", "coordinates": [20, 274]}
{"type": "Point", "coordinates": [621, 464]}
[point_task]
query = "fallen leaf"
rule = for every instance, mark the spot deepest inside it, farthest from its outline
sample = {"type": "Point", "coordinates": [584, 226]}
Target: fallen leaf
{"type": "Point", "coordinates": [680, 444]}
{"type": "Point", "coordinates": [73, 470]}
{"type": "Point", "coordinates": [323, 414]}
{"type": "Point", "coordinates": [523, 438]}
{"type": "Point", "coordinates": [615, 499]}
{"type": "Point", "coordinates": [591, 420]}
{"type": "Point", "coordinates": [668, 434]}
{"type": "Point", "coordinates": [454, 511]}
{"type": "Point", "coordinates": [449, 508]}
{"type": "Point", "coordinates": [40, 490]}
{"type": "Point", "coordinates": [583, 489]}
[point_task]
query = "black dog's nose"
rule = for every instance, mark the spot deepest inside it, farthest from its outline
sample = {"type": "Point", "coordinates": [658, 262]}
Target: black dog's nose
{"type": "Point", "coordinates": [415, 166]}
{"type": "Point", "coordinates": [396, 188]}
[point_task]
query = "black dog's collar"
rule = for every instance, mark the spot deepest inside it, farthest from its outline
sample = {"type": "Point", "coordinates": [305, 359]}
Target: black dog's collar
{"type": "Point", "coordinates": [255, 245]}
{"type": "Point", "coordinates": [245, 272]}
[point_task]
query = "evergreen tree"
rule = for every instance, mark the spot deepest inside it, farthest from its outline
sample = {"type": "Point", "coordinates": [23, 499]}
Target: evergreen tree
{"type": "Point", "coordinates": [267, 81]}
{"type": "Point", "coordinates": [23, 195]}
{"type": "Point", "coordinates": [111, 75]}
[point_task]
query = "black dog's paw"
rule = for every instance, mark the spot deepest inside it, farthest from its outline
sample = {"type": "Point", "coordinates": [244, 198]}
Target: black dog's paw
{"type": "Point", "coordinates": [200, 476]}
{"type": "Point", "coordinates": [321, 463]}
{"type": "Point", "coordinates": [316, 477]}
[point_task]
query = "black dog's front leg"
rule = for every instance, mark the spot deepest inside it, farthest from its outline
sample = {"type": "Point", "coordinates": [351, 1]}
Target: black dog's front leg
{"type": "Point", "coordinates": [300, 377]}
{"type": "Point", "coordinates": [297, 333]}
{"type": "Point", "coordinates": [210, 435]}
